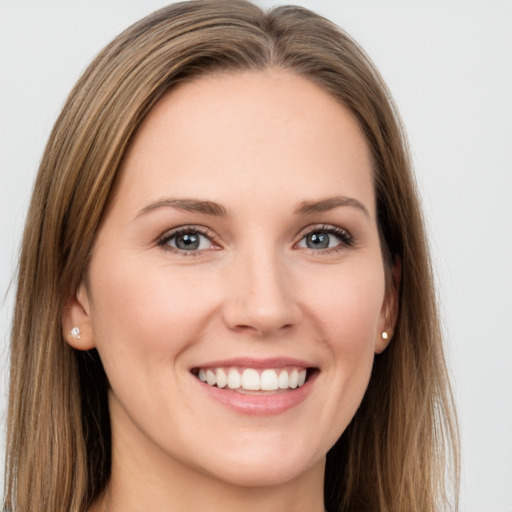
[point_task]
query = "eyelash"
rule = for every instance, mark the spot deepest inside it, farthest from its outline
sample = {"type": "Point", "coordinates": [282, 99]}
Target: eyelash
{"type": "Point", "coordinates": [346, 239]}
{"type": "Point", "coordinates": [164, 240]}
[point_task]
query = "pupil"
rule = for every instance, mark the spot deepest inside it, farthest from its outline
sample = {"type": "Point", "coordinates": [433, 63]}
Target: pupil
{"type": "Point", "coordinates": [318, 241]}
{"type": "Point", "coordinates": [188, 241]}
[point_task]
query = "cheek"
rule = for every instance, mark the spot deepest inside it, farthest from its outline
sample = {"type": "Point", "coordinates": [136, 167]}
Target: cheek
{"type": "Point", "coordinates": [350, 306]}
{"type": "Point", "coordinates": [155, 313]}
{"type": "Point", "coordinates": [348, 320]}
{"type": "Point", "coordinates": [350, 332]}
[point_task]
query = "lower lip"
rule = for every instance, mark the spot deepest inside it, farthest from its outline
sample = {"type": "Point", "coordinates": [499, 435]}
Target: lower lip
{"type": "Point", "coordinates": [268, 404]}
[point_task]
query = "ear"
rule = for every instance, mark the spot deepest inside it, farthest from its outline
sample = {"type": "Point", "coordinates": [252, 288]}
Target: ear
{"type": "Point", "coordinates": [390, 307]}
{"type": "Point", "coordinates": [76, 313]}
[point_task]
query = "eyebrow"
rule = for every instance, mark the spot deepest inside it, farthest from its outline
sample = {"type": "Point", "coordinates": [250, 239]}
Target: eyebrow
{"type": "Point", "coordinates": [188, 205]}
{"type": "Point", "coordinates": [217, 210]}
{"type": "Point", "coordinates": [324, 205]}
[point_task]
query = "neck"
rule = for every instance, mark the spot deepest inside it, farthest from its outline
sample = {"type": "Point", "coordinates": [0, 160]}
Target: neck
{"type": "Point", "coordinates": [144, 478]}
{"type": "Point", "coordinates": [212, 496]}
{"type": "Point", "coordinates": [182, 491]}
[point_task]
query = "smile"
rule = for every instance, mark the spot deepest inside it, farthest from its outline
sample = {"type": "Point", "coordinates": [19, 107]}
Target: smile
{"type": "Point", "coordinates": [252, 379]}
{"type": "Point", "coordinates": [257, 386]}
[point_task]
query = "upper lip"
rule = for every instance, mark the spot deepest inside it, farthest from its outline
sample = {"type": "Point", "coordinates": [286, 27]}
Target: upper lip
{"type": "Point", "coordinates": [247, 362]}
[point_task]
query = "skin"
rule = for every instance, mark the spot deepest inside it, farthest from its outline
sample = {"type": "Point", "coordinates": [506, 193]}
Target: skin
{"type": "Point", "coordinates": [260, 145]}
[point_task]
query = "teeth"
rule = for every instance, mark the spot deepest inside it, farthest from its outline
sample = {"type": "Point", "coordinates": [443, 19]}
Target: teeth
{"type": "Point", "coordinates": [283, 379]}
{"type": "Point", "coordinates": [234, 379]}
{"type": "Point", "coordinates": [269, 380]}
{"type": "Point", "coordinates": [222, 378]}
{"type": "Point", "coordinates": [293, 382]}
{"type": "Point", "coordinates": [210, 378]}
{"type": "Point", "coordinates": [251, 379]}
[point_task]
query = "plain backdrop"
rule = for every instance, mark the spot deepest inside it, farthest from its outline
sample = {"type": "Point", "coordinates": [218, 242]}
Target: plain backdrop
{"type": "Point", "coordinates": [449, 67]}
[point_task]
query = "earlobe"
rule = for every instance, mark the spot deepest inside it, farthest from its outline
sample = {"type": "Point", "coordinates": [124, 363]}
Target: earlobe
{"type": "Point", "coordinates": [390, 307]}
{"type": "Point", "coordinates": [76, 321]}
{"type": "Point", "coordinates": [383, 341]}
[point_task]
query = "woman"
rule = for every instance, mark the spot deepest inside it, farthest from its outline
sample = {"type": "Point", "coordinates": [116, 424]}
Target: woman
{"type": "Point", "coordinates": [224, 294]}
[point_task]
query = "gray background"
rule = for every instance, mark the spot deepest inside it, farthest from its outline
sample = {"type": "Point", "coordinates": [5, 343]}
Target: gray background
{"type": "Point", "coordinates": [448, 64]}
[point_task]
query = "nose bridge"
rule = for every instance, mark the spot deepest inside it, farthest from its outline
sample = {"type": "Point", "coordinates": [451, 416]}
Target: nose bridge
{"type": "Point", "coordinates": [261, 297]}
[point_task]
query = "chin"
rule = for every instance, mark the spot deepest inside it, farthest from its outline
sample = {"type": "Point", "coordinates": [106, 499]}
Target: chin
{"type": "Point", "coordinates": [261, 470]}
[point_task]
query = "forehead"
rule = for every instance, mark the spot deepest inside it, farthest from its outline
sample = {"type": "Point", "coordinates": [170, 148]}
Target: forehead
{"type": "Point", "coordinates": [241, 131]}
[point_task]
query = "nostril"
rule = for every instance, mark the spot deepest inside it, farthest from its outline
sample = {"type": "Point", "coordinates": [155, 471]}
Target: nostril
{"type": "Point", "coordinates": [246, 316]}
{"type": "Point", "coordinates": [262, 330]}
{"type": "Point", "coordinates": [262, 298]}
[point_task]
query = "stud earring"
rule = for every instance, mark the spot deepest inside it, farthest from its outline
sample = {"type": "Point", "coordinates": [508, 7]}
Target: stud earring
{"type": "Point", "coordinates": [384, 335]}
{"type": "Point", "coordinates": [75, 333]}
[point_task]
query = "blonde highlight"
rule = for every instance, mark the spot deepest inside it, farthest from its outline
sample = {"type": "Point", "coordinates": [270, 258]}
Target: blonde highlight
{"type": "Point", "coordinates": [395, 453]}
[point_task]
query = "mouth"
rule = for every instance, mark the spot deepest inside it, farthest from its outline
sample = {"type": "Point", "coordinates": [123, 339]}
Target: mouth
{"type": "Point", "coordinates": [263, 387]}
{"type": "Point", "coordinates": [250, 380]}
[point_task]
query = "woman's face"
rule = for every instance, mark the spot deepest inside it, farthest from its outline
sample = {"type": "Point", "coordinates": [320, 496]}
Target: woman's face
{"type": "Point", "coordinates": [240, 246]}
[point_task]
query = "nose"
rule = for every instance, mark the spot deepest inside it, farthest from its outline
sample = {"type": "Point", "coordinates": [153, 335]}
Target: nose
{"type": "Point", "coordinates": [261, 299]}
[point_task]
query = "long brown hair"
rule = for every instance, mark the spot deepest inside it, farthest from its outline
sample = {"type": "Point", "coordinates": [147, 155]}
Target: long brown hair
{"type": "Point", "coordinates": [400, 450]}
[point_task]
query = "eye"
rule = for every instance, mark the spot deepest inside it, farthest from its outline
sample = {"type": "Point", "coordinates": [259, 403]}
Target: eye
{"type": "Point", "coordinates": [326, 237]}
{"type": "Point", "coordinates": [187, 240]}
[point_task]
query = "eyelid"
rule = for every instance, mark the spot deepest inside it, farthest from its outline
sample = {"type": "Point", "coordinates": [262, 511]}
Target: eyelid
{"type": "Point", "coordinates": [345, 236]}
{"type": "Point", "coordinates": [163, 239]}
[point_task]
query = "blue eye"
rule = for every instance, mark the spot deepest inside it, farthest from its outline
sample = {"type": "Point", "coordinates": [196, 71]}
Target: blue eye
{"type": "Point", "coordinates": [328, 237]}
{"type": "Point", "coordinates": [187, 240]}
